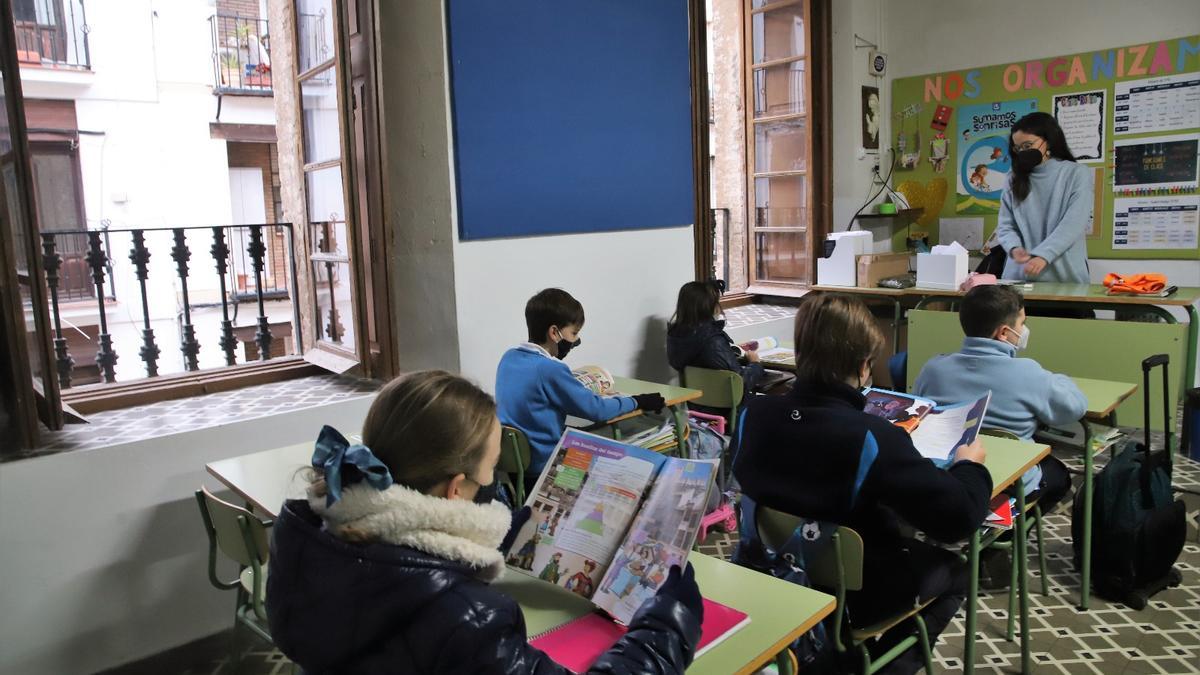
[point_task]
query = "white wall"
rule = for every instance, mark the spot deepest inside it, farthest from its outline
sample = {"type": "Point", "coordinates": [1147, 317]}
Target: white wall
{"type": "Point", "coordinates": [626, 281]}
{"type": "Point", "coordinates": [104, 557]}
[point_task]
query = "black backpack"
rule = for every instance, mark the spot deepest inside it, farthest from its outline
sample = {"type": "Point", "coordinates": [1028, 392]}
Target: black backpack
{"type": "Point", "coordinates": [814, 650]}
{"type": "Point", "coordinates": [1138, 527]}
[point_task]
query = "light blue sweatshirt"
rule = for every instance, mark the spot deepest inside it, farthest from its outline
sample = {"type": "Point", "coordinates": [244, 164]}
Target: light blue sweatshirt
{"type": "Point", "coordinates": [535, 392]}
{"type": "Point", "coordinates": [1051, 222]}
{"type": "Point", "coordinates": [1023, 393]}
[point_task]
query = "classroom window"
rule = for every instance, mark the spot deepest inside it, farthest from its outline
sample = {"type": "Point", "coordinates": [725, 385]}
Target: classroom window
{"type": "Point", "coordinates": [779, 144]}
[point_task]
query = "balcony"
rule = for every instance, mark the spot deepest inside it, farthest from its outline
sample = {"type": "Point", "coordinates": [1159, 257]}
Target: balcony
{"type": "Point", "coordinates": [169, 301]}
{"type": "Point", "coordinates": [241, 55]}
{"type": "Point", "coordinates": [51, 34]}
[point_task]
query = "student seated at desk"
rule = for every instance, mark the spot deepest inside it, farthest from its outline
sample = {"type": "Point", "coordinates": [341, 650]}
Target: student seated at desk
{"type": "Point", "coordinates": [817, 454]}
{"type": "Point", "coordinates": [1023, 393]}
{"type": "Point", "coordinates": [535, 390]}
{"type": "Point", "coordinates": [696, 336]}
{"type": "Point", "coordinates": [385, 567]}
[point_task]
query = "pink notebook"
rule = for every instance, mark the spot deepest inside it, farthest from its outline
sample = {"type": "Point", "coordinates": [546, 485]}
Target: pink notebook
{"type": "Point", "coordinates": [577, 644]}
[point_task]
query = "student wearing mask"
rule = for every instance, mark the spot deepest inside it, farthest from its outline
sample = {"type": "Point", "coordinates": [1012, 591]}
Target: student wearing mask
{"type": "Point", "coordinates": [1046, 209]}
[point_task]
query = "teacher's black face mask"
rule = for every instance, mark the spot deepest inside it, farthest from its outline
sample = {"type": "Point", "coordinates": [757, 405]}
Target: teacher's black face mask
{"type": "Point", "coordinates": [1027, 160]}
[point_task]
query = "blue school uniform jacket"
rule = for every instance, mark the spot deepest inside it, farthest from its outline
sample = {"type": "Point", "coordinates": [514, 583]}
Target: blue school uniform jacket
{"type": "Point", "coordinates": [535, 392]}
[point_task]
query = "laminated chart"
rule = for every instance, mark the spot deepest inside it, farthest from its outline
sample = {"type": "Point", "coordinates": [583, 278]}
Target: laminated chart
{"type": "Point", "coordinates": [1156, 222]}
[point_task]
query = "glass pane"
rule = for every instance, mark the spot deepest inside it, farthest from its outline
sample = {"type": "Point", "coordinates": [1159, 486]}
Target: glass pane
{"type": "Point", "coordinates": [319, 108]}
{"type": "Point", "coordinates": [781, 256]}
{"type": "Point", "coordinates": [780, 146]}
{"type": "Point", "coordinates": [325, 199]}
{"type": "Point", "coordinates": [781, 201]}
{"type": "Point", "coordinates": [765, 3]}
{"type": "Point", "coordinates": [55, 191]}
{"type": "Point", "coordinates": [330, 237]}
{"type": "Point", "coordinates": [779, 33]}
{"type": "Point", "coordinates": [779, 90]}
{"type": "Point", "coordinates": [335, 308]}
{"type": "Point", "coordinates": [315, 19]}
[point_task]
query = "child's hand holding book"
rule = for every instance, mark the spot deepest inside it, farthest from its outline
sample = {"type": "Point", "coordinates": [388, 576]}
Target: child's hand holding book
{"type": "Point", "coordinates": [971, 453]}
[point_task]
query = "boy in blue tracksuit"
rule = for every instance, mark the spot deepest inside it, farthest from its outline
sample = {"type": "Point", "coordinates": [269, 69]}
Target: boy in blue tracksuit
{"type": "Point", "coordinates": [535, 390]}
{"type": "Point", "coordinates": [1023, 393]}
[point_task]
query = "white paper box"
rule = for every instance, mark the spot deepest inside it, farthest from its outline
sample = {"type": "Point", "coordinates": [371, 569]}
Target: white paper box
{"type": "Point", "coordinates": [839, 269]}
{"type": "Point", "coordinates": [945, 268]}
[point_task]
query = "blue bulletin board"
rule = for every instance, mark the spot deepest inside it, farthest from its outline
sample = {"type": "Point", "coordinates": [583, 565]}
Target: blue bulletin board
{"type": "Point", "coordinates": [570, 115]}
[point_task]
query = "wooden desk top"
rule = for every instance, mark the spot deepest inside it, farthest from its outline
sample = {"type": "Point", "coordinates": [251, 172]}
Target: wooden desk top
{"type": "Point", "coordinates": [862, 290]}
{"type": "Point", "coordinates": [671, 394]}
{"type": "Point", "coordinates": [779, 611]}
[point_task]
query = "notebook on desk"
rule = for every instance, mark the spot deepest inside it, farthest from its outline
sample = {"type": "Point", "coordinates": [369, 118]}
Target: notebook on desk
{"type": "Point", "coordinates": [577, 644]}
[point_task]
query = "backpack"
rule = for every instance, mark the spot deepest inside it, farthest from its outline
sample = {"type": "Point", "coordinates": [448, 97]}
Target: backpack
{"type": "Point", "coordinates": [814, 650]}
{"type": "Point", "coordinates": [1138, 526]}
{"type": "Point", "coordinates": [705, 443]}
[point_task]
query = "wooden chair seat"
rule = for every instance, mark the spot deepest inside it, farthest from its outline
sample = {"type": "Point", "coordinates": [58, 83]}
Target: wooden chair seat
{"type": "Point", "coordinates": [878, 629]}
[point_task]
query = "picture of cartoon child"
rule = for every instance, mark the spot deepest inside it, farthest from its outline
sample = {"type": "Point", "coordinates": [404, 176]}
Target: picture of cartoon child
{"type": "Point", "coordinates": [939, 152]}
{"type": "Point", "coordinates": [979, 178]}
{"type": "Point", "coordinates": [581, 583]}
{"type": "Point", "coordinates": [523, 558]}
{"type": "Point", "coordinates": [551, 572]}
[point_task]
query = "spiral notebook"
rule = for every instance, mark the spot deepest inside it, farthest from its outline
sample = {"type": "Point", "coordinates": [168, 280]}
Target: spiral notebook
{"type": "Point", "coordinates": [577, 644]}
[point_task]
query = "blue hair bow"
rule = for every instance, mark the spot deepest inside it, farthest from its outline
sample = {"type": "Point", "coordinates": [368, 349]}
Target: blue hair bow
{"type": "Point", "coordinates": [345, 464]}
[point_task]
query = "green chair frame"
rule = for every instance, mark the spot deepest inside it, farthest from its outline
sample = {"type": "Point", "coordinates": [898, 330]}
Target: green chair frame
{"type": "Point", "coordinates": [839, 568]}
{"type": "Point", "coordinates": [1033, 520]}
{"type": "Point", "coordinates": [722, 389]}
{"type": "Point", "coordinates": [242, 537]}
{"type": "Point", "coordinates": [514, 461]}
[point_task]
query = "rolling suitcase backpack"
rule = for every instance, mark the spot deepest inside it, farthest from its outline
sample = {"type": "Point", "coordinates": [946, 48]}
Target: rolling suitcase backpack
{"type": "Point", "coordinates": [1138, 527]}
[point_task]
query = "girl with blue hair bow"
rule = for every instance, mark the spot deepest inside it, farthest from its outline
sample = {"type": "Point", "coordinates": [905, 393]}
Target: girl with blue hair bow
{"type": "Point", "coordinates": [385, 568]}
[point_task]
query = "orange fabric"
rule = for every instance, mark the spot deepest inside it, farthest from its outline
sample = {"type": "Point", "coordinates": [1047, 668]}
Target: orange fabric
{"type": "Point", "coordinates": [1135, 283]}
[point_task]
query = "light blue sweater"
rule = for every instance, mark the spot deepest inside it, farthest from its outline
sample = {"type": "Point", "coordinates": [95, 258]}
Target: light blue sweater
{"type": "Point", "coordinates": [1051, 222]}
{"type": "Point", "coordinates": [535, 392]}
{"type": "Point", "coordinates": [1023, 393]}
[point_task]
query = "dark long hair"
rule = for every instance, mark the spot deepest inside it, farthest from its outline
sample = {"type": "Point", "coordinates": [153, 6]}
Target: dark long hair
{"type": "Point", "coordinates": [1044, 126]}
{"type": "Point", "coordinates": [697, 304]}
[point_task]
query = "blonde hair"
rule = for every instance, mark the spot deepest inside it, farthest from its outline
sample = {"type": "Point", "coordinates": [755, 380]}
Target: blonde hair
{"type": "Point", "coordinates": [835, 334]}
{"type": "Point", "coordinates": [429, 425]}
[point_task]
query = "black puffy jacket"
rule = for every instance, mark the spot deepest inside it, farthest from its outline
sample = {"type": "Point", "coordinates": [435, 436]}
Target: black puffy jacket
{"type": "Point", "coordinates": [339, 607]}
{"type": "Point", "coordinates": [708, 346]}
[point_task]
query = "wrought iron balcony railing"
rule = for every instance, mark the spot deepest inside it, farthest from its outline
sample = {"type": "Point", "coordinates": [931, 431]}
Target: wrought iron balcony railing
{"type": "Point", "coordinates": [51, 33]}
{"type": "Point", "coordinates": [251, 264]}
{"type": "Point", "coordinates": [241, 55]}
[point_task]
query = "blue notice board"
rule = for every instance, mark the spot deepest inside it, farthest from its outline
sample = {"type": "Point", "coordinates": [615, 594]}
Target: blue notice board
{"type": "Point", "coordinates": [570, 115]}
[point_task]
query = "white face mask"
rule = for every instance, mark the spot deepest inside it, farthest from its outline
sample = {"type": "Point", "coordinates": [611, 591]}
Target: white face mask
{"type": "Point", "coordinates": [1022, 337]}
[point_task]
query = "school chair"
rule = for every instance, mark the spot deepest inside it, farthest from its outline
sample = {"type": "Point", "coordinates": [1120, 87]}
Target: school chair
{"type": "Point", "coordinates": [1033, 520]}
{"type": "Point", "coordinates": [242, 537]}
{"type": "Point", "coordinates": [839, 568]}
{"type": "Point", "coordinates": [514, 460]}
{"type": "Point", "coordinates": [723, 390]}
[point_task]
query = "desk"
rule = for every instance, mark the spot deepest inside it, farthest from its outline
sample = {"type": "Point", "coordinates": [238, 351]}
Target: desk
{"type": "Point", "coordinates": [1007, 460]}
{"type": "Point", "coordinates": [1103, 397]}
{"type": "Point", "coordinates": [676, 398]}
{"type": "Point", "coordinates": [779, 611]}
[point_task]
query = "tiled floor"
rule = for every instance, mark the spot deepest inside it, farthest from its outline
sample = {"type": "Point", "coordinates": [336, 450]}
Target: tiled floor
{"type": "Point", "coordinates": [189, 414]}
{"type": "Point", "coordinates": [745, 315]}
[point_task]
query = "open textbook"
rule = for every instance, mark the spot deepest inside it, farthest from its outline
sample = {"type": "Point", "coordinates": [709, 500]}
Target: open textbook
{"type": "Point", "coordinates": [936, 431]}
{"type": "Point", "coordinates": [597, 379]}
{"type": "Point", "coordinates": [610, 519]}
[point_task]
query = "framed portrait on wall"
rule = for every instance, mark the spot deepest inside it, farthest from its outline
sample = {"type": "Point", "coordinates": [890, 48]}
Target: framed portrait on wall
{"type": "Point", "coordinates": [871, 117]}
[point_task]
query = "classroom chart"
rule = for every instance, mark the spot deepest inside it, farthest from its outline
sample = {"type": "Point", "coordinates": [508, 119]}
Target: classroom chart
{"type": "Point", "coordinates": [1157, 104]}
{"type": "Point", "coordinates": [1156, 222]}
{"type": "Point", "coordinates": [1131, 113]}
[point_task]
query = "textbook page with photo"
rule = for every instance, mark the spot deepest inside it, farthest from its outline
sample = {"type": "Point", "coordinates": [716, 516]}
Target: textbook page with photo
{"type": "Point", "coordinates": [936, 431]}
{"type": "Point", "coordinates": [609, 520]}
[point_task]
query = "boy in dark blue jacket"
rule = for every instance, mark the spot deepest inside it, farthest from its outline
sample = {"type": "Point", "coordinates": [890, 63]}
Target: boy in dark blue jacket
{"type": "Point", "coordinates": [817, 454]}
{"type": "Point", "coordinates": [535, 390]}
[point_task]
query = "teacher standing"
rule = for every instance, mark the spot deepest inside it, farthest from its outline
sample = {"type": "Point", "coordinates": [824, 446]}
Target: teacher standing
{"type": "Point", "coordinates": [1046, 209]}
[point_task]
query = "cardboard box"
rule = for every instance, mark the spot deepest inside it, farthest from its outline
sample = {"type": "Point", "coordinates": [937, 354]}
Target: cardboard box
{"type": "Point", "coordinates": [876, 266]}
{"type": "Point", "coordinates": [839, 268]}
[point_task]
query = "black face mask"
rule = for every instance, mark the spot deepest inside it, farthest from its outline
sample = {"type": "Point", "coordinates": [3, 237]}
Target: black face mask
{"type": "Point", "coordinates": [565, 347]}
{"type": "Point", "coordinates": [1027, 160]}
{"type": "Point", "coordinates": [486, 494]}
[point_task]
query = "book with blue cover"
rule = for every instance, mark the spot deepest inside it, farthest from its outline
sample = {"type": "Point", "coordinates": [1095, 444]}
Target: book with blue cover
{"type": "Point", "coordinates": [937, 431]}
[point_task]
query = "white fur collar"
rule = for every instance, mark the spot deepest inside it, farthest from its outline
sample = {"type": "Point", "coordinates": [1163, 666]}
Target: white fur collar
{"type": "Point", "coordinates": [453, 529]}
